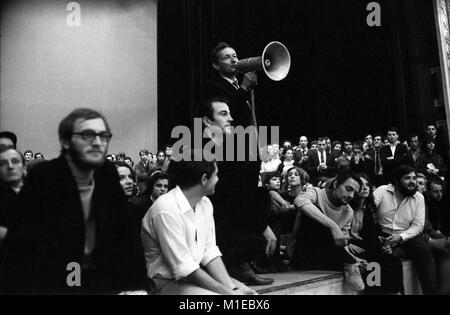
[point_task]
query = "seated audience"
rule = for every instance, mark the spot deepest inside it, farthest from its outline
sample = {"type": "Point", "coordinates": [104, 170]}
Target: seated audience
{"type": "Point", "coordinates": [438, 242]}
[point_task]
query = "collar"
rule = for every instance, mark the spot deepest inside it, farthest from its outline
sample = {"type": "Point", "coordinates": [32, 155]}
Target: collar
{"type": "Point", "coordinates": [229, 80]}
{"type": "Point", "coordinates": [391, 189]}
{"type": "Point", "coordinates": [183, 203]}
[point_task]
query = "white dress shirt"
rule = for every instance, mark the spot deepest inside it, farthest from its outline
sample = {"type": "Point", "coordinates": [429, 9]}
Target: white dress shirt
{"type": "Point", "coordinates": [406, 219]}
{"type": "Point", "coordinates": [177, 239]}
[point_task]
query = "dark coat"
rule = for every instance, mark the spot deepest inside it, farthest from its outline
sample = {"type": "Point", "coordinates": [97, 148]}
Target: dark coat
{"type": "Point", "coordinates": [50, 234]}
{"type": "Point", "coordinates": [402, 156]}
{"type": "Point", "coordinates": [240, 111]}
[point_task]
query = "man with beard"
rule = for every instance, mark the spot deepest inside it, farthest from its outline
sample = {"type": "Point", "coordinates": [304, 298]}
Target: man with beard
{"type": "Point", "coordinates": [75, 233]}
{"type": "Point", "coordinates": [401, 215]}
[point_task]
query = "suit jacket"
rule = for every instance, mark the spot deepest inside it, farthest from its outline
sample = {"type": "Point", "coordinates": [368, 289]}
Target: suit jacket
{"type": "Point", "coordinates": [402, 156]}
{"type": "Point", "coordinates": [313, 163]}
{"type": "Point", "coordinates": [50, 234]}
{"type": "Point", "coordinates": [240, 111]}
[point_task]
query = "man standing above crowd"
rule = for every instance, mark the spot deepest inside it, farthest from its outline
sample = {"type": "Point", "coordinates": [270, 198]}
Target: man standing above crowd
{"type": "Point", "coordinates": [401, 215]}
{"type": "Point", "coordinates": [74, 217]}
{"type": "Point", "coordinates": [237, 192]}
{"type": "Point", "coordinates": [241, 222]}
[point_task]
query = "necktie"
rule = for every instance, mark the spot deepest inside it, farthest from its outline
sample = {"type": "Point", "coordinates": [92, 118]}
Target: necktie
{"type": "Point", "coordinates": [320, 157]}
{"type": "Point", "coordinates": [377, 162]}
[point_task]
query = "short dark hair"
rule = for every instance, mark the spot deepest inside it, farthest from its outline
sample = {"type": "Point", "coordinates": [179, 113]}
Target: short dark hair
{"type": "Point", "coordinates": [401, 171]}
{"type": "Point", "coordinates": [322, 139]}
{"type": "Point", "coordinates": [143, 151]}
{"type": "Point", "coordinates": [378, 134]}
{"type": "Point", "coordinates": [395, 129]}
{"type": "Point", "coordinates": [27, 151]}
{"type": "Point", "coordinates": [9, 135]}
{"type": "Point", "coordinates": [412, 135]}
{"type": "Point", "coordinates": [38, 153]}
{"type": "Point", "coordinates": [154, 177]}
{"type": "Point", "coordinates": [269, 175]}
{"type": "Point", "coordinates": [343, 176]}
{"type": "Point", "coordinates": [65, 128]}
{"type": "Point", "coordinates": [206, 108]}
{"type": "Point", "coordinates": [425, 142]}
{"type": "Point", "coordinates": [214, 52]}
{"type": "Point", "coordinates": [187, 173]}
{"type": "Point", "coordinates": [434, 179]}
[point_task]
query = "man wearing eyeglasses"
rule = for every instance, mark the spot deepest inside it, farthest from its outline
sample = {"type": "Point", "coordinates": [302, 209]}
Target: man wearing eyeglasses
{"type": "Point", "coordinates": [76, 233]}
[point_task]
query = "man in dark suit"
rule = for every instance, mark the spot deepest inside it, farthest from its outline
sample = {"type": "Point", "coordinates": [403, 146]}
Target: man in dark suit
{"type": "Point", "coordinates": [320, 163]}
{"type": "Point", "coordinates": [239, 214]}
{"type": "Point", "coordinates": [394, 154]}
{"type": "Point", "coordinates": [75, 232]}
{"type": "Point", "coordinates": [441, 146]}
{"type": "Point", "coordinates": [225, 84]}
{"type": "Point", "coordinates": [300, 155]}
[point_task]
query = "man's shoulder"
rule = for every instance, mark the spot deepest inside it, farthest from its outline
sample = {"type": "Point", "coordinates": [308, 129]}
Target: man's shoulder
{"type": "Point", "coordinates": [164, 204]}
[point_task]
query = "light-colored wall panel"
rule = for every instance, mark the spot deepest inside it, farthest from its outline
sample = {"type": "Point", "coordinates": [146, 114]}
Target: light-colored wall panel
{"type": "Point", "coordinates": [107, 63]}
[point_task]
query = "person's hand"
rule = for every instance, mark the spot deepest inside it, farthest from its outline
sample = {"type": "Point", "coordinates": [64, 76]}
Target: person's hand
{"type": "Point", "coordinates": [249, 81]}
{"type": "Point", "coordinates": [340, 239]}
{"type": "Point", "coordinates": [387, 249]}
{"type": "Point", "coordinates": [355, 250]}
{"type": "Point", "coordinates": [271, 241]}
{"type": "Point", "coordinates": [242, 289]}
{"type": "Point", "coordinates": [393, 240]}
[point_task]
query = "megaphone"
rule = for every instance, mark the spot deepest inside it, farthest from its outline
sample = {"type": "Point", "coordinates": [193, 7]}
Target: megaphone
{"type": "Point", "coordinates": [275, 62]}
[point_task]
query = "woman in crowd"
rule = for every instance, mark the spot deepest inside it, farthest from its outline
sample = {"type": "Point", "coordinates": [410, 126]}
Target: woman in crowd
{"type": "Point", "coordinates": [365, 243]}
{"type": "Point", "coordinates": [288, 161]}
{"type": "Point", "coordinates": [157, 184]}
{"type": "Point", "coordinates": [429, 162]}
{"type": "Point", "coordinates": [161, 161]}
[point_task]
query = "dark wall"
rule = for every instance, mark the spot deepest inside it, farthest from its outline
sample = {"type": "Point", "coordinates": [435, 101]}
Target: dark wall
{"type": "Point", "coordinates": [346, 78]}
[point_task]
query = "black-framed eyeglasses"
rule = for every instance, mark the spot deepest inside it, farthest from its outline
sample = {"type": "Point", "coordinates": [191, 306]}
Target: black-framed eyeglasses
{"type": "Point", "coordinates": [90, 135]}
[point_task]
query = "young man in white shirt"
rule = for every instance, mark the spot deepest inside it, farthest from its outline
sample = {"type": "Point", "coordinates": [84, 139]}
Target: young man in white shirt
{"type": "Point", "coordinates": [179, 239]}
{"type": "Point", "coordinates": [401, 215]}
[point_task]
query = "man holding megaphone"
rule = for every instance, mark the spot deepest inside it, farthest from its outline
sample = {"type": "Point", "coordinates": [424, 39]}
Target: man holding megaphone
{"type": "Point", "coordinates": [225, 84]}
{"type": "Point", "coordinates": [242, 231]}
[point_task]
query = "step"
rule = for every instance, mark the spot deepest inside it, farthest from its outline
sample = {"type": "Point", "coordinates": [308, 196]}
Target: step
{"type": "Point", "coordinates": [319, 282]}
{"type": "Point", "coordinates": [311, 282]}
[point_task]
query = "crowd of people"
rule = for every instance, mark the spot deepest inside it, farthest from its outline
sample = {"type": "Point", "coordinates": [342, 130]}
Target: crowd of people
{"type": "Point", "coordinates": [202, 226]}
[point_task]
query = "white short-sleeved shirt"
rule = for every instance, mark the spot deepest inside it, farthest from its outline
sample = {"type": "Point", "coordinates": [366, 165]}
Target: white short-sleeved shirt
{"type": "Point", "coordinates": [177, 239]}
